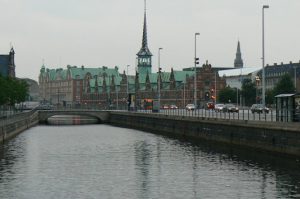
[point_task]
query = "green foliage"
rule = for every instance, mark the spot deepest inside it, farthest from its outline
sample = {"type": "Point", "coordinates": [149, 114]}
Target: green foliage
{"type": "Point", "coordinates": [227, 95]}
{"type": "Point", "coordinates": [12, 91]}
{"type": "Point", "coordinates": [285, 85]}
{"type": "Point", "coordinates": [270, 97]}
{"type": "Point", "coordinates": [248, 92]}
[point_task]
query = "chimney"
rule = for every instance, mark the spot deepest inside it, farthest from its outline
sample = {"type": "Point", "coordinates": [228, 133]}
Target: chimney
{"type": "Point", "coordinates": [275, 64]}
{"type": "Point", "coordinates": [291, 62]}
{"type": "Point", "coordinates": [281, 63]}
{"type": "Point", "coordinates": [82, 67]}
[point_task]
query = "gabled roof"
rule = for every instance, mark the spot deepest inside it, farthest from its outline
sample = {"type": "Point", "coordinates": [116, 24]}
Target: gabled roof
{"type": "Point", "coordinates": [82, 71]}
{"type": "Point", "coordinates": [180, 76]}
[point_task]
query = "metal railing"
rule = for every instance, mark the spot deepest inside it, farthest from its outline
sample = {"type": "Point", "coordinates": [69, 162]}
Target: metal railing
{"type": "Point", "coordinates": [243, 113]}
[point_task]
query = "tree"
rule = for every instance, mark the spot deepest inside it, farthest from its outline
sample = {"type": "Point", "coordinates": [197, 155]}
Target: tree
{"type": "Point", "coordinates": [285, 85]}
{"type": "Point", "coordinates": [248, 92]}
{"type": "Point", "coordinates": [270, 97]}
{"type": "Point", "coordinates": [12, 90]}
{"type": "Point", "coordinates": [227, 95]}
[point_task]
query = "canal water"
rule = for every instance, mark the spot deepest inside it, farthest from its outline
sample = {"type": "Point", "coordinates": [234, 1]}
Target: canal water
{"type": "Point", "coordinates": [101, 161]}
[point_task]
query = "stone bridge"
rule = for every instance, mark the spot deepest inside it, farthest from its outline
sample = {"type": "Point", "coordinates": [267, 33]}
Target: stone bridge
{"type": "Point", "coordinates": [102, 116]}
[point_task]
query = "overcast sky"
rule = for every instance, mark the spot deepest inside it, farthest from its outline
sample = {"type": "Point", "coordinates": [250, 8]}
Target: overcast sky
{"type": "Point", "coordinates": [97, 33]}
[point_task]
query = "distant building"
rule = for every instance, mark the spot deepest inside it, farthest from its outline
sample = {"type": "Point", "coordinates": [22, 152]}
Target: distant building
{"type": "Point", "coordinates": [273, 74]}
{"type": "Point", "coordinates": [234, 77]}
{"type": "Point", "coordinates": [7, 64]}
{"type": "Point", "coordinates": [33, 89]}
{"type": "Point", "coordinates": [75, 84]}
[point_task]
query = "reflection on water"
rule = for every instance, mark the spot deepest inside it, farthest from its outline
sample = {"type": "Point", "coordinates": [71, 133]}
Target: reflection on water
{"type": "Point", "coordinates": [101, 161]}
{"type": "Point", "coordinates": [72, 120]}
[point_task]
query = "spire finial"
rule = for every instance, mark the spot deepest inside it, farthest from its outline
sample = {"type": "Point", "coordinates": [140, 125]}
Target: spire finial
{"type": "Point", "coordinates": [145, 5]}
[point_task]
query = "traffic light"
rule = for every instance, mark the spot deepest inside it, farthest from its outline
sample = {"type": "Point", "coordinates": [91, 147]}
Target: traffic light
{"type": "Point", "coordinates": [196, 60]}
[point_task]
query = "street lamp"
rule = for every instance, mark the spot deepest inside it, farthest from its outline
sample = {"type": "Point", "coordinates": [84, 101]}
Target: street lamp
{"type": "Point", "coordinates": [263, 56]}
{"type": "Point", "coordinates": [196, 61]}
{"type": "Point", "coordinates": [215, 86]}
{"type": "Point", "coordinates": [127, 81]}
{"type": "Point", "coordinates": [158, 83]}
{"type": "Point", "coordinates": [295, 77]}
{"type": "Point", "coordinates": [257, 80]}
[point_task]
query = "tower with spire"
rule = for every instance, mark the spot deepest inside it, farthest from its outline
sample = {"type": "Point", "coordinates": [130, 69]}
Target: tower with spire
{"type": "Point", "coordinates": [144, 55]}
{"type": "Point", "coordinates": [238, 62]}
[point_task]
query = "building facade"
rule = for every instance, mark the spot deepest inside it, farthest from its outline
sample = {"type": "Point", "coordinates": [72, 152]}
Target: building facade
{"type": "Point", "coordinates": [106, 87]}
{"type": "Point", "coordinates": [273, 74]}
{"type": "Point", "coordinates": [7, 64]}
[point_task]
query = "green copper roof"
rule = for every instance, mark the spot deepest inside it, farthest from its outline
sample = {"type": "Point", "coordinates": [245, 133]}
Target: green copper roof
{"type": "Point", "coordinates": [82, 71]}
{"type": "Point", "coordinates": [79, 72]}
{"type": "Point", "coordinates": [180, 76]}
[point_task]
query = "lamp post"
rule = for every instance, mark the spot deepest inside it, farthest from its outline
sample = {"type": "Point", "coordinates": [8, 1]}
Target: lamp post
{"type": "Point", "coordinates": [158, 83]}
{"type": "Point", "coordinates": [127, 81]}
{"type": "Point", "coordinates": [57, 97]}
{"type": "Point", "coordinates": [237, 97]}
{"type": "Point", "coordinates": [215, 86]}
{"type": "Point", "coordinates": [263, 56]}
{"type": "Point", "coordinates": [295, 78]}
{"type": "Point", "coordinates": [117, 96]}
{"type": "Point", "coordinates": [195, 64]}
{"type": "Point", "coordinates": [257, 84]}
{"type": "Point", "coordinates": [183, 94]}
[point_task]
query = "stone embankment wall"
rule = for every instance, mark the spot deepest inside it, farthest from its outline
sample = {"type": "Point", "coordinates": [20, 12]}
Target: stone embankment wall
{"type": "Point", "coordinates": [11, 126]}
{"type": "Point", "coordinates": [283, 138]}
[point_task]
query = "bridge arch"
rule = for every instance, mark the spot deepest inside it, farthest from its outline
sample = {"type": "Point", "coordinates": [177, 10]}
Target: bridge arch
{"type": "Point", "coordinates": [102, 116]}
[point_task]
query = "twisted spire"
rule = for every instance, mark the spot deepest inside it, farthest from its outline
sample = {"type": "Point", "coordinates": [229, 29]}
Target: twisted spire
{"type": "Point", "coordinates": [144, 49]}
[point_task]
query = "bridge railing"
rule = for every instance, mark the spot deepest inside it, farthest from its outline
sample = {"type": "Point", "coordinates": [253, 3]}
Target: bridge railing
{"type": "Point", "coordinates": [244, 113]}
{"type": "Point", "coordinates": [283, 115]}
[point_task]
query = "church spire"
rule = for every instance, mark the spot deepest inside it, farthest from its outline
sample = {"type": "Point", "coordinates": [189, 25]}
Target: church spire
{"type": "Point", "coordinates": [238, 62]}
{"type": "Point", "coordinates": [145, 50]}
{"type": "Point", "coordinates": [144, 55]}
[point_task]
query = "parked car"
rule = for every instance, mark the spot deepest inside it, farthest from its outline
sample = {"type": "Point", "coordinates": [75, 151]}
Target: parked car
{"type": "Point", "coordinates": [165, 106]}
{"type": "Point", "coordinates": [259, 108]}
{"type": "Point", "coordinates": [190, 107]}
{"type": "Point", "coordinates": [230, 108]}
{"type": "Point", "coordinates": [172, 106]}
{"type": "Point", "coordinates": [210, 105]}
{"type": "Point", "coordinates": [219, 107]}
